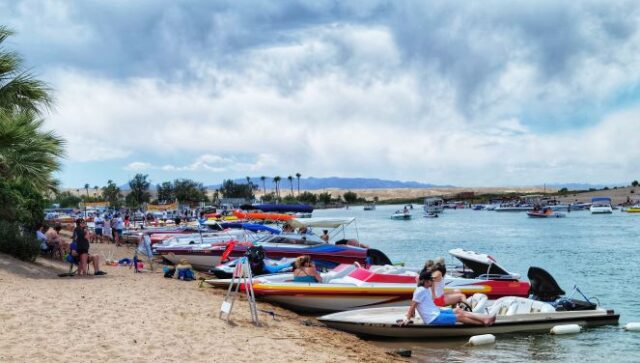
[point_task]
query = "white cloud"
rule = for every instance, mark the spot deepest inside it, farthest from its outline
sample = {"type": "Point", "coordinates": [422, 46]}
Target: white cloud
{"type": "Point", "coordinates": [138, 166]}
{"type": "Point", "coordinates": [435, 94]}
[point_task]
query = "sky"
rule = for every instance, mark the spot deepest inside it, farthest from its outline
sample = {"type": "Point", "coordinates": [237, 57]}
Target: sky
{"type": "Point", "coordinates": [488, 93]}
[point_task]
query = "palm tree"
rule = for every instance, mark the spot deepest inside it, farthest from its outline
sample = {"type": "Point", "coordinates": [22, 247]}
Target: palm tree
{"type": "Point", "coordinates": [298, 175]}
{"type": "Point", "coordinates": [290, 178]}
{"type": "Point", "coordinates": [28, 155]}
{"type": "Point", "coordinates": [19, 90]}
{"type": "Point", "coordinates": [276, 180]}
{"type": "Point", "coordinates": [264, 185]}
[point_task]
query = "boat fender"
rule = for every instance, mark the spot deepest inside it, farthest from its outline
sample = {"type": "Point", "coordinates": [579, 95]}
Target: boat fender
{"type": "Point", "coordinates": [565, 329]}
{"type": "Point", "coordinates": [632, 326]}
{"type": "Point", "coordinates": [483, 339]}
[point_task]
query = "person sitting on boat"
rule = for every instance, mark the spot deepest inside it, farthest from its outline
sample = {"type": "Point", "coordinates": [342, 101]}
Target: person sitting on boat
{"type": "Point", "coordinates": [305, 270]}
{"type": "Point", "coordinates": [287, 228]}
{"type": "Point", "coordinates": [442, 297]}
{"type": "Point", "coordinates": [325, 235]}
{"type": "Point", "coordinates": [431, 315]}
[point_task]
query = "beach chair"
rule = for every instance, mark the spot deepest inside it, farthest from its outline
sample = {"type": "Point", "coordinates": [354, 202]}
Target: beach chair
{"type": "Point", "coordinates": [73, 267]}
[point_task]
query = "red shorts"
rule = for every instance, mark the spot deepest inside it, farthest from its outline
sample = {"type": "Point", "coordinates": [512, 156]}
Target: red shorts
{"type": "Point", "coordinates": [439, 301]}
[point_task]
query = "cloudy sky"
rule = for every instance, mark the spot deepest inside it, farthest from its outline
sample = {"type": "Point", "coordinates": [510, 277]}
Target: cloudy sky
{"type": "Point", "coordinates": [465, 93]}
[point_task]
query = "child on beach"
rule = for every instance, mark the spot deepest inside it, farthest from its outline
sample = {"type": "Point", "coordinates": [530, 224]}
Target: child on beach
{"type": "Point", "coordinates": [432, 315]}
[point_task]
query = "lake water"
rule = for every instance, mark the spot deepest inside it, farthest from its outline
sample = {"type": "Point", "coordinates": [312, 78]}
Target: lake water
{"type": "Point", "coordinates": [599, 253]}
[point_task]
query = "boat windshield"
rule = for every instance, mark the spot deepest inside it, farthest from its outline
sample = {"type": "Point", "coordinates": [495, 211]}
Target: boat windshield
{"type": "Point", "coordinates": [307, 240]}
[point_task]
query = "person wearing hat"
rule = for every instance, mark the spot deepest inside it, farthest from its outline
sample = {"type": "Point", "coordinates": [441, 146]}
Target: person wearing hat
{"type": "Point", "coordinates": [432, 315]}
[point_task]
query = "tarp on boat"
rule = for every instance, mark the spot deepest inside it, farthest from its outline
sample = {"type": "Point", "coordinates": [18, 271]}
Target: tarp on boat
{"type": "Point", "coordinates": [320, 222]}
{"type": "Point", "coordinates": [282, 208]}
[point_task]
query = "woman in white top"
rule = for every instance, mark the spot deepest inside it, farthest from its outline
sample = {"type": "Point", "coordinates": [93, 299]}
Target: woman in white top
{"type": "Point", "coordinates": [431, 315]}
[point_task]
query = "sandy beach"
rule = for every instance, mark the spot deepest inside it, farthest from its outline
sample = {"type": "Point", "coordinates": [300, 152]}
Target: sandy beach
{"type": "Point", "coordinates": [144, 317]}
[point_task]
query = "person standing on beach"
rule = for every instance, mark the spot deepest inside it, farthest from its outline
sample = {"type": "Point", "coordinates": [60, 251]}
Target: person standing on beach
{"type": "Point", "coordinates": [99, 222]}
{"type": "Point", "coordinates": [119, 229]}
{"type": "Point", "coordinates": [81, 239]}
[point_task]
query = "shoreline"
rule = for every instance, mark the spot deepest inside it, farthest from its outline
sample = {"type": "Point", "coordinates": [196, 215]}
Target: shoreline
{"type": "Point", "coordinates": [145, 317]}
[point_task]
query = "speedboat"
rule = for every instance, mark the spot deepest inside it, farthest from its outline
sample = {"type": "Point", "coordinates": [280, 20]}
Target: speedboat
{"type": "Point", "coordinates": [601, 205]}
{"type": "Point", "coordinates": [284, 245]}
{"type": "Point", "coordinates": [370, 206]}
{"type": "Point", "coordinates": [348, 287]}
{"type": "Point", "coordinates": [545, 213]}
{"type": "Point", "coordinates": [401, 215]}
{"type": "Point", "coordinates": [632, 209]}
{"type": "Point", "coordinates": [513, 315]}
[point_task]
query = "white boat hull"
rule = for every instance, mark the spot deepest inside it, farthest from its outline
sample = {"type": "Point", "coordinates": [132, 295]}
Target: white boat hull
{"type": "Point", "coordinates": [601, 210]}
{"type": "Point", "coordinates": [382, 323]}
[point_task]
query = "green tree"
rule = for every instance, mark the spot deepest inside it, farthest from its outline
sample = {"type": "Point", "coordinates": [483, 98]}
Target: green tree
{"type": "Point", "coordinates": [276, 181]}
{"type": "Point", "coordinates": [67, 200]}
{"type": "Point", "coordinates": [230, 189]}
{"type": "Point", "coordinates": [28, 155]}
{"type": "Point", "coordinates": [324, 197]}
{"type": "Point", "coordinates": [166, 191]}
{"type": "Point", "coordinates": [189, 191]}
{"type": "Point", "coordinates": [264, 184]}
{"type": "Point", "coordinates": [350, 197]}
{"type": "Point", "coordinates": [298, 175]}
{"type": "Point", "coordinates": [111, 194]}
{"type": "Point", "coordinates": [635, 183]}
{"type": "Point", "coordinates": [19, 90]}
{"type": "Point", "coordinates": [269, 197]}
{"type": "Point", "coordinates": [308, 198]}
{"type": "Point", "coordinates": [290, 178]}
{"type": "Point", "coordinates": [139, 191]}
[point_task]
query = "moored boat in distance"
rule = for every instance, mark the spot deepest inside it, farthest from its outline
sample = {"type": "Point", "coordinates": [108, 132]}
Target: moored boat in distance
{"type": "Point", "coordinates": [433, 205]}
{"type": "Point", "coordinates": [401, 215]}
{"type": "Point", "coordinates": [370, 206]}
{"type": "Point", "coordinates": [601, 205]}
{"type": "Point", "coordinates": [546, 212]}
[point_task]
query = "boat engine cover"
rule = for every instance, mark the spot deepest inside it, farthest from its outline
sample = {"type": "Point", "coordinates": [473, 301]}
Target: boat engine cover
{"type": "Point", "coordinates": [543, 286]}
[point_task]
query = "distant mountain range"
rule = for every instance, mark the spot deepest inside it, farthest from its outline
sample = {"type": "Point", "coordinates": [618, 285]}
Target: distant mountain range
{"type": "Point", "coordinates": [312, 183]}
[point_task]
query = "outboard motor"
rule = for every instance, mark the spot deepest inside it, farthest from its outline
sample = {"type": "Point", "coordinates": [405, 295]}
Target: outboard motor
{"type": "Point", "coordinates": [543, 286]}
{"type": "Point", "coordinates": [255, 255]}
